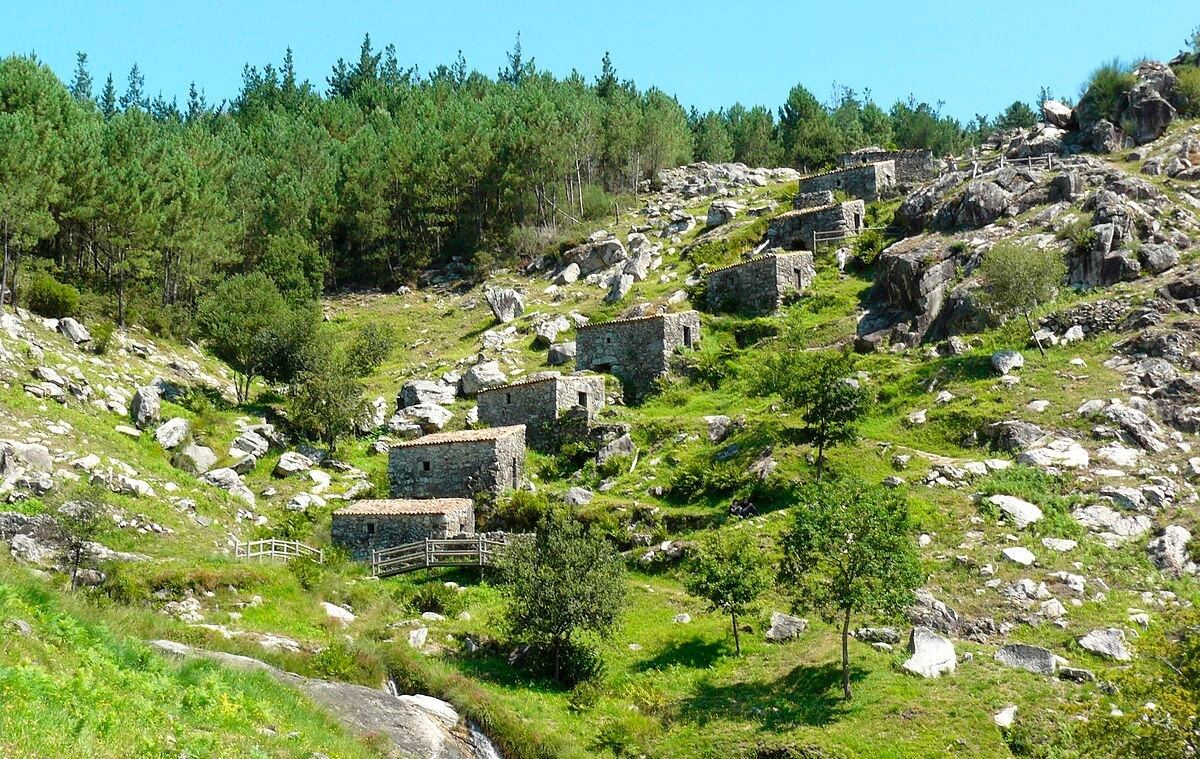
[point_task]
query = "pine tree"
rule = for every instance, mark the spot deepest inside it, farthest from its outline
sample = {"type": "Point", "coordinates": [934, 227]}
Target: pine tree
{"type": "Point", "coordinates": [81, 85]}
{"type": "Point", "coordinates": [108, 98]}
{"type": "Point", "coordinates": [135, 91]}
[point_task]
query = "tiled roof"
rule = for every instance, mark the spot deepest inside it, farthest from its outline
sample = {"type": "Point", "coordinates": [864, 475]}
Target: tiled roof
{"type": "Point", "coordinates": [462, 436]}
{"type": "Point", "coordinates": [398, 506]}
{"type": "Point", "coordinates": [842, 169]}
{"type": "Point", "coordinates": [807, 211]}
{"type": "Point", "coordinates": [633, 319]}
{"type": "Point", "coordinates": [754, 260]}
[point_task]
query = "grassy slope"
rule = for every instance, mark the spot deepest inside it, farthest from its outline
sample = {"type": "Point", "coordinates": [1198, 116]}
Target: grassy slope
{"type": "Point", "coordinates": [682, 693]}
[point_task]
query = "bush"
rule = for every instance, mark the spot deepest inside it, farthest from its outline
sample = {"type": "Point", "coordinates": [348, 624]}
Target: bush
{"type": "Point", "coordinates": [51, 298]}
{"type": "Point", "coordinates": [597, 204]}
{"type": "Point", "coordinates": [712, 365]}
{"type": "Point", "coordinates": [519, 512]}
{"type": "Point", "coordinates": [439, 599]}
{"type": "Point", "coordinates": [702, 477]}
{"type": "Point", "coordinates": [1080, 234]}
{"type": "Point", "coordinates": [1187, 90]}
{"type": "Point", "coordinates": [307, 571]}
{"type": "Point", "coordinates": [578, 663]}
{"type": "Point", "coordinates": [336, 662]}
{"type": "Point", "coordinates": [868, 245]}
{"type": "Point", "coordinates": [102, 333]}
{"type": "Point", "coordinates": [1105, 87]}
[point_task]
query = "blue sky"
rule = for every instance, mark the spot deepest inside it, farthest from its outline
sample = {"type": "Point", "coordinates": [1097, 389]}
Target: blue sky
{"type": "Point", "coordinates": [975, 57]}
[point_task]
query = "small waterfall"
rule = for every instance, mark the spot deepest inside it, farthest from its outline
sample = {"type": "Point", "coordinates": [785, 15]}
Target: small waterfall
{"type": "Point", "coordinates": [760, 247]}
{"type": "Point", "coordinates": [484, 748]}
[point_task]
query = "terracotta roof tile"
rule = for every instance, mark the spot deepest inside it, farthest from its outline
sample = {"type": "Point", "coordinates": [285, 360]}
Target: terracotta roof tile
{"type": "Point", "coordinates": [400, 506]}
{"type": "Point", "coordinates": [463, 436]}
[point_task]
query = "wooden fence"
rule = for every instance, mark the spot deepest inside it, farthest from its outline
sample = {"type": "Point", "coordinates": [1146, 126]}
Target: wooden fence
{"type": "Point", "coordinates": [473, 551]}
{"type": "Point", "coordinates": [272, 548]}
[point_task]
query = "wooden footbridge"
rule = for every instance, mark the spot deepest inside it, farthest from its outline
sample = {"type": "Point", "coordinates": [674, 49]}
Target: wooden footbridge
{"type": "Point", "coordinates": [471, 551]}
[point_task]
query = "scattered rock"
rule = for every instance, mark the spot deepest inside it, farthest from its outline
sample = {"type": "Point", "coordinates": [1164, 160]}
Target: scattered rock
{"type": "Point", "coordinates": [932, 655]}
{"type": "Point", "coordinates": [1033, 658]}
{"type": "Point", "coordinates": [785, 627]}
{"type": "Point", "coordinates": [1109, 643]}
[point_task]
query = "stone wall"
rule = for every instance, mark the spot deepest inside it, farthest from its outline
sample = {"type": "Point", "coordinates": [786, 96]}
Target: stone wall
{"type": "Point", "coordinates": [362, 533]}
{"type": "Point", "coordinates": [912, 166]}
{"type": "Point", "coordinates": [869, 182]}
{"type": "Point", "coordinates": [759, 286]}
{"type": "Point", "coordinates": [813, 199]}
{"type": "Point", "coordinates": [458, 464]}
{"type": "Point", "coordinates": [637, 351]}
{"type": "Point", "coordinates": [539, 403]}
{"type": "Point", "coordinates": [795, 229]}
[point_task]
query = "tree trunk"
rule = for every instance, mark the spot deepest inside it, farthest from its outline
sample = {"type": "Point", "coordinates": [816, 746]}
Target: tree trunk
{"type": "Point", "coordinates": [4, 271]}
{"type": "Point", "coordinates": [846, 655]}
{"type": "Point", "coordinates": [557, 659]}
{"type": "Point", "coordinates": [820, 459]}
{"type": "Point", "coordinates": [1033, 332]}
{"type": "Point", "coordinates": [737, 641]}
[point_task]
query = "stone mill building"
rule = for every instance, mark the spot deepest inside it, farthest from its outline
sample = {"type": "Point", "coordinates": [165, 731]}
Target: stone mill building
{"type": "Point", "coordinates": [552, 406]}
{"type": "Point", "coordinates": [637, 351]}
{"type": "Point", "coordinates": [816, 219]}
{"type": "Point", "coordinates": [760, 285]}
{"type": "Point", "coordinates": [365, 526]}
{"type": "Point", "coordinates": [868, 182]}
{"type": "Point", "coordinates": [458, 464]}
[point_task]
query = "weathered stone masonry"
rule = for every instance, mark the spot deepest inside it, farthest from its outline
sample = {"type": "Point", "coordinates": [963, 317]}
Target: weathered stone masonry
{"type": "Point", "coordinates": [458, 464]}
{"type": "Point", "coordinates": [637, 351]}
{"type": "Point", "coordinates": [759, 286]}
{"type": "Point", "coordinates": [912, 166]}
{"type": "Point", "coordinates": [540, 402]}
{"type": "Point", "coordinates": [797, 229]}
{"type": "Point", "coordinates": [365, 526]}
{"type": "Point", "coordinates": [869, 182]}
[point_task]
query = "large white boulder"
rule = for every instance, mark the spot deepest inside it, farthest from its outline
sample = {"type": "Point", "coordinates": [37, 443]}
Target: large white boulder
{"type": "Point", "coordinates": [932, 655]}
{"type": "Point", "coordinates": [171, 433]}
{"type": "Point", "coordinates": [1021, 513]}
{"type": "Point", "coordinates": [482, 376]}
{"type": "Point", "coordinates": [506, 303]}
{"type": "Point", "coordinates": [1109, 643]}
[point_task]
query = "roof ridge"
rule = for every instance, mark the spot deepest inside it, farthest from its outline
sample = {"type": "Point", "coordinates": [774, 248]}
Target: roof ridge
{"type": "Point", "coordinates": [756, 259]}
{"type": "Point", "coordinates": [843, 169]}
{"type": "Point", "coordinates": [634, 319]}
{"type": "Point", "coordinates": [461, 436]}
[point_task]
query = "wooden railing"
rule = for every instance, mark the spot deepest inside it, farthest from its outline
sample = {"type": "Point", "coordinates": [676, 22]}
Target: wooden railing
{"type": "Point", "coordinates": [272, 548]}
{"type": "Point", "coordinates": [826, 237]}
{"type": "Point", "coordinates": [474, 551]}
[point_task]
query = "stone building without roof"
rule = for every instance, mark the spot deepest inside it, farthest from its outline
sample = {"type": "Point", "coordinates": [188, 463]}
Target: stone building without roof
{"type": "Point", "coordinates": [760, 285]}
{"type": "Point", "coordinates": [552, 406]}
{"type": "Point", "coordinates": [866, 182]}
{"type": "Point", "coordinates": [805, 228]}
{"type": "Point", "coordinates": [365, 526]}
{"type": "Point", "coordinates": [637, 351]}
{"type": "Point", "coordinates": [458, 464]}
{"type": "Point", "coordinates": [912, 166]}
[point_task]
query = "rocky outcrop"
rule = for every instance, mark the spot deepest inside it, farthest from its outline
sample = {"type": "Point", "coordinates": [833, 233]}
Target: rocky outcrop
{"type": "Point", "coordinates": [912, 278]}
{"type": "Point", "coordinates": [415, 726]}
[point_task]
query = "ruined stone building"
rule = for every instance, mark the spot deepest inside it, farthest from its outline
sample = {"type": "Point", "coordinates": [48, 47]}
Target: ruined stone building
{"type": "Point", "coordinates": [760, 285]}
{"type": "Point", "coordinates": [803, 228]}
{"type": "Point", "coordinates": [458, 464]}
{"type": "Point", "coordinates": [365, 526]}
{"type": "Point", "coordinates": [912, 166]}
{"type": "Point", "coordinates": [552, 406]}
{"type": "Point", "coordinates": [867, 182]}
{"type": "Point", "coordinates": [637, 351]}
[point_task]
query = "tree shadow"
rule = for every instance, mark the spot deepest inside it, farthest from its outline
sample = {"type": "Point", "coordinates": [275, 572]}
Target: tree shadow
{"type": "Point", "coordinates": [810, 695]}
{"type": "Point", "coordinates": [695, 654]}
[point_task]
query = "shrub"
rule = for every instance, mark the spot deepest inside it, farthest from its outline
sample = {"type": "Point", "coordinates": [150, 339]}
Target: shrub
{"type": "Point", "coordinates": [701, 476]}
{"type": "Point", "coordinates": [520, 512]}
{"type": "Point", "coordinates": [102, 333]}
{"type": "Point", "coordinates": [868, 245]}
{"type": "Point", "coordinates": [439, 599]}
{"type": "Point", "coordinates": [51, 298]}
{"type": "Point", "coordinates": [1105, 86]}
{"type": "Point", "coordinates": [336, 662]}
{"type": "Point", "coordinates": [597, 203]}
{"type": "Point", "coordinates": [1080, 234]}
{"type": "Point", "coordinates": [307, 571]}
{"type": "Point", "coordinates": [1187, 90]}
{"type": "Point", "coordinates": [712, 364]}
{"type": "Point", "coordinates": [524, 241]}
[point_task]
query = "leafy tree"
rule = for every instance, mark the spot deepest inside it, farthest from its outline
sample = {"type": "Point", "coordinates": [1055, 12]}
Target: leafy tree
{"type": "Point", "coordinates": [821, 387]}
{"type": "Point", "coordinates": [562, 582]}
{"type": "Point", "coordinates": [1017, 279]}
{"type": "Point", "coordinates": [371, 347]}
{"type": "Point", "coordinates": [239, 322]}
{"type": "Point", "coordinates": [79, 523]}
{"type": "Point", "coordinates": [1018, 114]}
{"type": "Point", "coordinates": [26, 189]}
{"type": "Point", "coordinates": [326, 400]}
{"type": "Point", "coordinates": [730, 571]}
{"type": "Point", "coordinates": [752, 133]}
{"type": "Point", "coordinates": [848, 551]}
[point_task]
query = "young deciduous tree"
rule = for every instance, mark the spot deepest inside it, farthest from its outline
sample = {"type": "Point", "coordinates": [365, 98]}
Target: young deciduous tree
{"type": "Point", "coordinates": [730, 571]}
{"type": "Point", "coordinates": [239, 322]}
{"type": "Point", "coordinates": [1017, 279]}
{"type": "Point", "coordinates": [560, 583]}
{"type": "Point", "coordinates": [80, 523]}
{"type": "Point", "coordinates": [849, 551]}
{"type": "Point", "coordinates": [831, 402]}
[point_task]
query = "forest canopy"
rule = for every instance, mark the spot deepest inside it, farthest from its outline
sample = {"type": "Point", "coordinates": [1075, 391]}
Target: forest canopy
{"type": "Point", "coordinates": [144, 204]}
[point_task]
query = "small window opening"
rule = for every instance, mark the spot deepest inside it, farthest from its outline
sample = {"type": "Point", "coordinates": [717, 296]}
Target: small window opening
{"type": "Point", "coordinates": [583, 399]}
{"type": "Point", "coordinates": [370, 528]}
{"type": "Point", "coordinates": [426, 466]}
{"type": "Point", "coordinates": [687, 336]}
{"type": "Point", "coordinates": [508, 397]}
